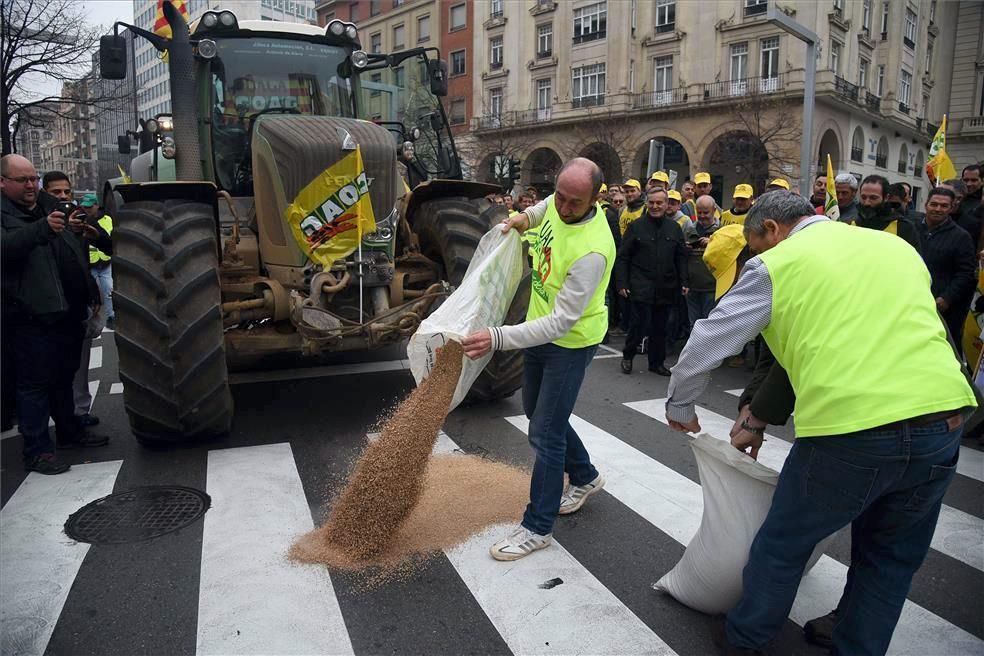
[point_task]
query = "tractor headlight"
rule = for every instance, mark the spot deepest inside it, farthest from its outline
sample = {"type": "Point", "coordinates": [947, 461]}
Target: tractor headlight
{"type": "Point", "coordinates": [207, 49]}
{"type": "Point", "coordinates": [414, 133]}
{"type": "Point", "coordinates": [360, 59]}
{"type": "Point", "coordinates": [227, 19]}
{"type": "Point", "coordinates": [407, 151]}
{"type": "Point", "coordinates": [151, 125]}
{"type": "Point", "coordinates": [165, 123]}
{"type": "Point", "coordinates": [336, 27]}
{"type": "Point", "coordinates": [168, 149]}
{"type": "Point", "coordinates": [352, 32]}
{"type": "Point", "coordinates": [210, 19]}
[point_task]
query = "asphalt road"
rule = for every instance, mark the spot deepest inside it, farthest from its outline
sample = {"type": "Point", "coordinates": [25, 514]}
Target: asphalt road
{"type": "Point", "coordinates": [222, 586]}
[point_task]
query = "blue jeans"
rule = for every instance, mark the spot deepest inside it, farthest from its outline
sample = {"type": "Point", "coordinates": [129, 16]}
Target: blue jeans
{"type": "Point", "coordinates": [552, 378]}
{"type": "Point", "coordinates": [889, 485]}
{"type": "Point", "coordinates": [104, 279]}
{"type": "Point", "coordinates": [699, 305]}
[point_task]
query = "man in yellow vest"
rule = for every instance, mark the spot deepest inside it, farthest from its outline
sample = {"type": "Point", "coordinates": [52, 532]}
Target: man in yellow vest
{"type": "Point", "coordinates": [635, 204]}
{"type": "Point", "coordinates": [742, 203]}
{"type": "Point", "coordinates": [880, 405]}
{"type": "Point", "coordinates": [100, 263]}
{"type": "Point", "coordinates": [567, 319]}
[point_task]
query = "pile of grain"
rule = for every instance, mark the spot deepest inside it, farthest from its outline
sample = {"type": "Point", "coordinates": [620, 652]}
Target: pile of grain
{"type": "Point", "coordinates": [399, 503]}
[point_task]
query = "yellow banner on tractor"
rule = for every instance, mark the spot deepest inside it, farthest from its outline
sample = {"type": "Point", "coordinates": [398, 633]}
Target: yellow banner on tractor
{"type": "Point", "coordinates": [330, 215]}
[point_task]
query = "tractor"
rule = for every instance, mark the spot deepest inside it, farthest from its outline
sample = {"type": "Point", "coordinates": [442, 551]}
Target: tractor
{"type": "Point", "coordinates": [208, 275]}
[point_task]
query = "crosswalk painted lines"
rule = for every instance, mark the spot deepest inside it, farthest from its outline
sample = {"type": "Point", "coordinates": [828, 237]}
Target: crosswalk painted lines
{"type": "Point", "coordinates": [958, 534]}
{"type": "Point", "coordinates": [95, 357]}
{"type": "Point", "coordinates": [116, 388]}
{"type": "Point", "coordinates": [646, 486]}
{"type": "Point", "coordinates": [970, 463]}
{"type": "Point", "coordinates": [251, 599]}
{"type": "Point", "coordinates": [38, 562]}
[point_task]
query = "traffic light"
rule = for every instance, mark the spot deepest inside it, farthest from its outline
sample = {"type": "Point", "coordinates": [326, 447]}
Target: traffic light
{"type": "Point", "coordinates": [514, 169]}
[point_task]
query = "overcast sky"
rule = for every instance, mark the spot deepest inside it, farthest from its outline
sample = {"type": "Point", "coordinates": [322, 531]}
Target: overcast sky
{"type": "Point", "coordinates": [107, 12]}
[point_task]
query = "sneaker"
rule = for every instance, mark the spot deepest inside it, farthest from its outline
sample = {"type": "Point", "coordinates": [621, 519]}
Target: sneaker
{"type": "Point", "coordinates": [521, 543]}
{"type": "Point", "coordinates": [84, 442]}
{"type": "Point", "coordinates": [626, 366]}
{"type": "Point", "coordinates": [575, 495]}
{"type": "Point", "coordinates": [821, 630]}
{"type": "Point", "coordinates": [88, 420]}
{"type": "Point", "coordinates": [47, 464]}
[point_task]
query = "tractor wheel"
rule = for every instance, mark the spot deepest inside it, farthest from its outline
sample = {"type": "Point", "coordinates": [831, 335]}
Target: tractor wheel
{"type": "Point", "coordinates": [169, 332]}
{"type": "Point", "coordinates": [449, 230]}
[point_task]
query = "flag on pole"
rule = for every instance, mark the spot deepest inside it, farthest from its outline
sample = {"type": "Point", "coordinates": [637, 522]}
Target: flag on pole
{"type": "Point", "coordinates": [830, 207]}
{"type": "Point", "coordinates": [940, 166]}
{"type": "Point", "coordinates": [161, 26]}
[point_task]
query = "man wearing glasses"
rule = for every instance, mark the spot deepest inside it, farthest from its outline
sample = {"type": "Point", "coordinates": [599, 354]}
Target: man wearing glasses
{"type": "Point", "coordinates": [46, 291]}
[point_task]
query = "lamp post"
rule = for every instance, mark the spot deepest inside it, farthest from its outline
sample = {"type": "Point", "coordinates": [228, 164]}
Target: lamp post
{"type": "Point", "coordinates": [801, 32]}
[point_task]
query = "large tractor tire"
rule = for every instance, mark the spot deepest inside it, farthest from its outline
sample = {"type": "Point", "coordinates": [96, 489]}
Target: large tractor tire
{"type": "Point", "coordinates": [449, 230]}
{"type": "Point", "coordinates": [169, 331]}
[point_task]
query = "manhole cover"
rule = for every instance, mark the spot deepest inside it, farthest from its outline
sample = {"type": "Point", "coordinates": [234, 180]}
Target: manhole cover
{"type": "Point", "coordinates": [139, 514]}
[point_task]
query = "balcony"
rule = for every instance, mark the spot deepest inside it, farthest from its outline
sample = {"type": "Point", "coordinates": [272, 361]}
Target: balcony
{"type": "Point", "coordinates": [656, 99]}
{"type": "Point", "coordinates": [748, 86]}
{"type": "Point", "coordinates": [588, 101]}
{"type": "Point", "coordinates": [844, 88]}
{"type": "Point", "coordinates": [904, 108]}
{"type": "Point", "coordinates": [533, 116]}
{"type": "Point", "coordinates": [872, 102]}
{"type": "Point", "coordinates": [909, 43]}
{"type": "Point", "coordinates": [857, 154]}
{"type": "Point", "coordinates": [496, 121]}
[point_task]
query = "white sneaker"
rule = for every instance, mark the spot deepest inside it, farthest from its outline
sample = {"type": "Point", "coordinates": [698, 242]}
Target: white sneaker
{"type": "Point", "coordinates": [575, 495]}
{"type": "Point", "coordinates": [521, 543]}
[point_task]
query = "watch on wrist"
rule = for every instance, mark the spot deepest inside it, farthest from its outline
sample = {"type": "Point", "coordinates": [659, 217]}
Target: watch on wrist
{"type": "Point", "coordinates": [752, 429]}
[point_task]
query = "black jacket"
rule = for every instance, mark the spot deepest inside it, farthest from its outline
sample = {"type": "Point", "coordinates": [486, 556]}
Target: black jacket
{"type": "Point", "coordinates": [652, 261]}
{"type": "Point", "coordinates": [967, 217]}
{"type": "Point", "coordinates": [878, 218]}
{"type": "Point", "coordinates": [45, 275]}
{"type": "Point", "coordinates": [611, 215]}
{"type": "Point", "coordinates": [950, 256]}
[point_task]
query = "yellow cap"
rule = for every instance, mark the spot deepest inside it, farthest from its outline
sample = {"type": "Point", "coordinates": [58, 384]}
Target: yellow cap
{"type": "Point", "coordinates": [702, 178]}
{"type": "Point", "coordinates": [675, 195]}
{"type": "Point", "coordinates": [604, 188]}
{"type": "Point", "coordinates": [632, 182]}
{"type": "Point", "coordinates": [779, 182]}
{"type": "Point", "coordinates": [661, 176]}
{"type": "Point", "coordinates": [721, 256]}
{"type": "Point", "coordinates": [743, 191]}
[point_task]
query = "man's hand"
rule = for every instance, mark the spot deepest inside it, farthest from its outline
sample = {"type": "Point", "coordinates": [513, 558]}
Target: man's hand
{"type": "Point", "coordinates": [704, 241]}
{"type": "Point", "coordinates": [685, 290]}
{"type": "Point", "coordinates": [744, 413]}
{"type": "Point", "coordinates": [624, 293]}
{"type": "Point", "coordinates": [477, 344]}
{"type": "Point", "coordinates": [942, 305]}
{"type": "Point", "coordinates": [518, 222]}
{"type": "Point", "coordinates": [89, 232]}
{"type": "Point", "coordinates": [749, 441]}
{"type": "Point", "coordinates": [692, 426]}
{"type": "Point", "coordinates": [56, 221]}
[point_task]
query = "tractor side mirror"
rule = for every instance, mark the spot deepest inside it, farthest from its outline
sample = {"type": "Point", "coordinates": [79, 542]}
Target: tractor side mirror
{"type": "Point", "coordinates": [437, 71]}
{"type": "Point", "coordinates": [112, 57]}
{"type": "Point", "coordinates": [123, 142]}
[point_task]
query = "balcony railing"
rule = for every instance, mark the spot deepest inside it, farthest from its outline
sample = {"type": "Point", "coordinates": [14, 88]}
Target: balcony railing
{"type": "Point", "coordinates": [590, 36]}
{"type": "Point", "coordinates": [904, 108]}
{"type": "Point", "coordinates": [881, 160]}
{"type": "Point", "coordinates": [533, 116]}
{"type": "Point", "coordinates": [664, 98]}
{"type": "Point", "coordinates": [844, 88]}
{"type": "Point", "coordinates": [872, 102]}
{"type": "Point", "coordinates": [665, 27]}
{"type": "Point", "coordinates": [744, 87]}
{"type": "Point", "coordinates": [588, 101]}
{"type": "Point", "coordinates": [496, 121]}
{"type": "Point", "coordinates": [857, 154]}
{"type": "Point", "coordinates": [901, 168]}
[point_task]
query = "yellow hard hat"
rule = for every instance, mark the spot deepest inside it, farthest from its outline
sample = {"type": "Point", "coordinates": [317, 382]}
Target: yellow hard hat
{"type": "Point", "coordinates": [604, 188]}
{"type": "Point", "coordinates": [632, 182]}
{"type": "Point", "coordinates": [721, 256]}
{"type": "Point", "coordinates": [702, 178]}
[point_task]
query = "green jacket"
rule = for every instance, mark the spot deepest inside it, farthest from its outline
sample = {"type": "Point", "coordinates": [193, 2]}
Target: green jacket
{"type": "Point", "coordinates": [33, 263]}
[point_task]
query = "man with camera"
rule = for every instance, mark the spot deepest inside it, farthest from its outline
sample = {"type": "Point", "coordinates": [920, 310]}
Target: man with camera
{"type": "Point", "coordinates": [46, 292]}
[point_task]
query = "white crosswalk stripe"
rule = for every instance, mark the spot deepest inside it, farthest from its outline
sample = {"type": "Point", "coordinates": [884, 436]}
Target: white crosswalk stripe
{"type": "Point", "coordinates": [95, 357]}
{"type": "Point", "coordinates": [958, 534]}
{"type": "Point", "coordinates": [637, 480]}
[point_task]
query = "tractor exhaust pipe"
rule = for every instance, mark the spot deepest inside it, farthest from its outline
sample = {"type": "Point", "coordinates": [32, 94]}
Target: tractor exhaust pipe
{"type": "Point", "coordinates": [184, 110]}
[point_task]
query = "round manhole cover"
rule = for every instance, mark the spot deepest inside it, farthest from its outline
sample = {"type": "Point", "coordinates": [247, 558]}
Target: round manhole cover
{"type": "Point", "coordinates": [139, 514]}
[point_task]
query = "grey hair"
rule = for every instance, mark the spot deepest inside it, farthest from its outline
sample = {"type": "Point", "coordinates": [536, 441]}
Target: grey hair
{"type": "Point", "coordinates": [848, 179]}
{"type": "Point", "coordinates": [779, 205]}
{"type": "Point", "coordinates": [957, 184]}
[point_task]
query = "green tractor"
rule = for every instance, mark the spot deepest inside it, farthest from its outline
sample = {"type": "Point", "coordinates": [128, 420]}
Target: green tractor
{"type": "Point", "coordinates": [208, 274]}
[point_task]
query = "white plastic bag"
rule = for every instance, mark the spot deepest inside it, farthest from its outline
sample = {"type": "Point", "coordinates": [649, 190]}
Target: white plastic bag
{"type": "Point", "coordinates": [480, 301]}
{"type": "Point", "coordinates": [737, 494]}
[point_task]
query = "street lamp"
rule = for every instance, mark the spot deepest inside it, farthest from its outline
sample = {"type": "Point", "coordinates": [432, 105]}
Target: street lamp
{"type": "Point", "coordinates": [801, 32]}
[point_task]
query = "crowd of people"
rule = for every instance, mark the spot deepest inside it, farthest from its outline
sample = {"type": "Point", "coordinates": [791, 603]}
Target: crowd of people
{"type": "Point", "coordinates": [57, 297]}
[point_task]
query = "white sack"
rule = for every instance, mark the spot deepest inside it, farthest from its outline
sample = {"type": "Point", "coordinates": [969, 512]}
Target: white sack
{"type": "Point", "coordinates": [482, 300]}
{"type": "Point", "coordinates": [737, 494]}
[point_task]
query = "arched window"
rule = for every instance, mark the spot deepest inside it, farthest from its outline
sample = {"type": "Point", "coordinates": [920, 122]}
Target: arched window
{"type": "Point", "coordinates": [903, 159]}
{"type": "Point", "coordinates": [920, 164]}
{"type": "Point", "coordinates": [857, 145]}
{"type": "Point", "coordinates": [881, 155]}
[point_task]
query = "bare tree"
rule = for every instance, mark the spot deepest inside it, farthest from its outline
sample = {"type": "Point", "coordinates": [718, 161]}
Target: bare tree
{"type": "Point", "coordinates": [608, 140]}
{"type": "Point", "coordinates": [499, 137]}
{"type": "Point", "coordinates": [43, 44]}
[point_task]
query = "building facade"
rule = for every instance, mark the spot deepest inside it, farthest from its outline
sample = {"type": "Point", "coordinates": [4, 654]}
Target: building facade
{"type": "Point", "coordinates": [73, 146]}
{"type": "Point", "coordinates": [965, 121]}
{"type": "Point", "coordinates": [714, 81]}
{"type": "Point", "coordinates": [35, 129]}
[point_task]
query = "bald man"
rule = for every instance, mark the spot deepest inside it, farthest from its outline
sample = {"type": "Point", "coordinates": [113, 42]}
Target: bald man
{"type": "Point", "coordinates": [46, 291]}
{"type": "Point", "coordinates": [573, 256]}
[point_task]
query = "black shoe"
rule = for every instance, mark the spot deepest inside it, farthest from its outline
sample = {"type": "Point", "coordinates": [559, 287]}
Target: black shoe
{"type": "Point", "coordinates": [821, 630]}
{"type": "Point", "coordinates": [47, 464]}
{"type": "Point", "coordinates": [626, 366]}
{"type": "Point", "coordinates": [88, 420]}
{"type": "Point", "coordinates": [720, 638]}
{"type": "Point", "coordinates": [84, 442]}
{"type": "Point", "coordinates": [661, 370]}
{"type": "Point", "coordinates": [111, 323]}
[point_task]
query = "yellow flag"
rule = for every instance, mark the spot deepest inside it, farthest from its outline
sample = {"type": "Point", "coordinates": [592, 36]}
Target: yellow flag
{"type": "Point", "coordinates": [830, 206]}
{"type": "Point", "coordinates": [330, 215]}
{"type": "Point", "coordinates": [940, 166]}
{"type": "Point", "coordinates": [126, 178]}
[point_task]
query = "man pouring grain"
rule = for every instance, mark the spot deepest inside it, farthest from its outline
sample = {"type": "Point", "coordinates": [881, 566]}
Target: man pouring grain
{"type": "Point", "coordinates": [573, 256]}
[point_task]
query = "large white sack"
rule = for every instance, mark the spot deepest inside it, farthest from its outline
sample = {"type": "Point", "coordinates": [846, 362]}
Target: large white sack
{"type": "Point", "coordinates": [737, 494]}
{"type": "Point", "coordinates": [481, 300]}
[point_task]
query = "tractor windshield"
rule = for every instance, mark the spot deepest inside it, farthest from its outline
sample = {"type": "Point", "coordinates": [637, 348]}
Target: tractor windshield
{"type": "Point", "coordinates": [255, 76]}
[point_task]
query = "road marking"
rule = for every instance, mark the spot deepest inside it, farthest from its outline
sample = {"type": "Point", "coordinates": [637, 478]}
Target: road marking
{"type": "Point", "coordinates": [674, 504]}
{"type": "Point", "coordinates": [95, 357]}
{"type": "Point", "coordinates": [93, 391]}
{"type": "Point", "coordinates": [38, 562]}
{"type": "Point", "coordinates": [116, 388]}
{"type": "Point", "coordinates": [958, 534]}
{"type": "Point", "coordinates": [580, 617]}
{"type": "Point", "coordinates": [244, 377]}
{"type": "Point", "coordinates": [251, 599]}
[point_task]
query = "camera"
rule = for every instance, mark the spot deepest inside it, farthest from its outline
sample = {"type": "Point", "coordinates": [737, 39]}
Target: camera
{"type": "Point", "coordinates": [67, 208]}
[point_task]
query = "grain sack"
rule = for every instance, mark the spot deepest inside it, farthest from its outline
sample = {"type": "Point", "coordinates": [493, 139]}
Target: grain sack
{"type": "Point", "coordinates": [737, 493]}
{"type": "Point", "coordinates": [481, 300]}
